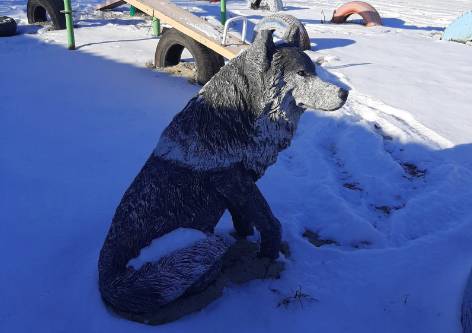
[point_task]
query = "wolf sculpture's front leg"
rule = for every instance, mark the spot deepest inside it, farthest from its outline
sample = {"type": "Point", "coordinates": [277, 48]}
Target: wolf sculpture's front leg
{"type": "Point", "coordinates": [248, 207]}
{"type": "Point", "coordinates": [244, 227]}
{"type": "Point", "coordinates": [255, 209]}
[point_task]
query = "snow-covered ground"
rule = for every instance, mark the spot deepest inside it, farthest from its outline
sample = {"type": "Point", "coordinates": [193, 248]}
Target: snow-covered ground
{"type": "Point", "coordinates": [388, 177]}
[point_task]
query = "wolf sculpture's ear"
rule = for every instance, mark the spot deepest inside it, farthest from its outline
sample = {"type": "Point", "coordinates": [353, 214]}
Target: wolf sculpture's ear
{"type": "Point", "coordinates": [294, 38]}
{"type": "Point", "coordinates": [262, 50]}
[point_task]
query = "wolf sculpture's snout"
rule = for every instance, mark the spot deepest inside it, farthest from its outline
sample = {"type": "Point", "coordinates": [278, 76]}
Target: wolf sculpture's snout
{"type": "Point", "coordinates": [343, 94]}
{"type": "Point", "coordinates": [331, 98]}
{"type": "Point", "coordinates": [317, 94]}
{"type": "Point", "coordinates": [336, 101]}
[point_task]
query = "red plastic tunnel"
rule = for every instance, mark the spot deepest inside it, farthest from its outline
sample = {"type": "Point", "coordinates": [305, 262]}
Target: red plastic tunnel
{"type": "Point", "coordinates": [368, 13]}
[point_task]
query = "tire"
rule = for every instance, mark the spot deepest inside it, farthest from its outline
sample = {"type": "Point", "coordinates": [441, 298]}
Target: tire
{"type": "Point", "coordinates": [288, 27]}
{"type": "Point", "coordinates": [275, 5]}
{"type": "Point", "coordinates": [36, 11]}
{"type": "Point", "coordinates": [169, 51]}
{"type": "Point", "coordinates": [271, 5]}
{"type": "Point", "coordinates": [7, 26]}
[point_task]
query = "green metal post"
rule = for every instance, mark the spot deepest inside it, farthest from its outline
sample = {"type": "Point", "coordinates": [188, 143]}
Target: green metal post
{"type": "Point", "coordinates": [156, 27]}
{"type": "Point", "coordinates": [223, 11]}
{"type": "Point", "coordinates": [132, 11]}
{"type": "Point", "coordinates": [69, 25]}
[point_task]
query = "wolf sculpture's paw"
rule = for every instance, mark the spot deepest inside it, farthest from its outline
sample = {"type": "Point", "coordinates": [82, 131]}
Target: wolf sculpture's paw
{"type": "Point", "coordinates": [270, 251]}
{"type": "Point", "coordinates": [242, 263]}
{"type": "Point", "coordinates": [270, 254]}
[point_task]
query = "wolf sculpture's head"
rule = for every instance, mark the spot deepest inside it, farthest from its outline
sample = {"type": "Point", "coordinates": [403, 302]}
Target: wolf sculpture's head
{"type": "Point", "coordinates": [249, 111]}
{"type": "Point", "coordinates": [302, 85]}
{"type": "Point", "coordinates": [278, 74]}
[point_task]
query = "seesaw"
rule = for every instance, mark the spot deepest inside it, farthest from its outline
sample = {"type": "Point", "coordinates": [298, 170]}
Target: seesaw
{"type": "Point", "coordinates": [209, 44]}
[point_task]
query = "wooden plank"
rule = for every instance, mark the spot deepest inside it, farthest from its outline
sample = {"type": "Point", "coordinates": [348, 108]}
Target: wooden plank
{"type": "Point", "coordinates": [191, 25]}
{"type": "Point", "coordinates": [110, 4]}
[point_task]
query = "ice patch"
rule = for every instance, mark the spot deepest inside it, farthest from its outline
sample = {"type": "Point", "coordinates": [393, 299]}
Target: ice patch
{"type": "Point", "coordinates": [160, 247]}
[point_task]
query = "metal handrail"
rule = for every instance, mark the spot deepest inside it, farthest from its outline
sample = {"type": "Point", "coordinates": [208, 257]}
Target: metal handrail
{"type": "Point", "coordinates": [231, 20]}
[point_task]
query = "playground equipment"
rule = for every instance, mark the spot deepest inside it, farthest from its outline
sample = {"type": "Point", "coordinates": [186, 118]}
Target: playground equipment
{"type": "Point", "coordinates": [69, 25]}
{"type": "Point", "coordinates": [190, 25]}
{"type": "Point", "coordinates": [460, 30]}
{"type": "Point", "coordinates": [38, 11]}
{"type": "Point", "coordinates": [59, 12]}
{"type": "Point", "coordinates": [369, 14]}
{"type": "Point", "coordinates": [208, 44]}
{"type": "Point", "coordinates": [7, 26]}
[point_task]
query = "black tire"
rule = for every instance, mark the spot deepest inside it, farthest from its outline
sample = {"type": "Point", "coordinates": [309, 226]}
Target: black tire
{"type": "Point", "coordinates": [39, 10]}
{"type": "Point", "coordinates": [169, 51]}
{"type": "Point", "coordinates": [7, 26]}
{"type": "Point", "coordinates": [287, 27]}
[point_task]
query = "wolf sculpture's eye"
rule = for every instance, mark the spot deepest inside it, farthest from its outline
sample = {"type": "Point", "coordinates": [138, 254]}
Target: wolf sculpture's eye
{"type": "Point", "coordinates": [301, 73]}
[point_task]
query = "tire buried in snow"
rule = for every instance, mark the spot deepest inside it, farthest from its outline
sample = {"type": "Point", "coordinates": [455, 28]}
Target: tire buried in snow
{"type": "Point", "coordinates": [45, 10]}
{"type": "Point", "coordinates": [169, 51]}
{"type": "Point", "coordinates": [7, 26]}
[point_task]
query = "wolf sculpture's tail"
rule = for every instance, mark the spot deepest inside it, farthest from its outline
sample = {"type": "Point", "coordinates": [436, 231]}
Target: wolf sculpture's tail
{"type": "Point", "coordinates": [156, 284]}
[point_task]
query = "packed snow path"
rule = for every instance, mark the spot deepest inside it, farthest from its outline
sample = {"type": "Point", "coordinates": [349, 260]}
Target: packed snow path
{"type": "Point", "coordinates": [388, 178]}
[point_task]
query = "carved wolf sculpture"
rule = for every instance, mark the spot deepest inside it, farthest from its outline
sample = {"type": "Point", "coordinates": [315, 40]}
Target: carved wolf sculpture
{"type": "Point", "coordinates": [208, 160]}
